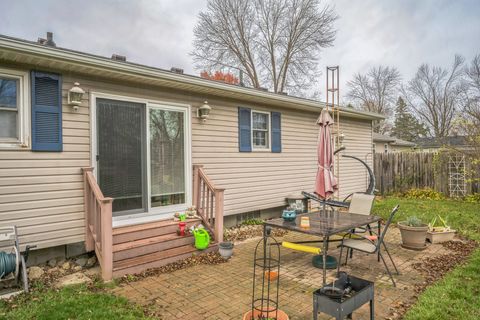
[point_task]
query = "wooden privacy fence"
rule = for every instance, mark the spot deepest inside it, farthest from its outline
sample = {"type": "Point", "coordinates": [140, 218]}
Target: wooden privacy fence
{"type": "Point", "coordinates": [400, 171]}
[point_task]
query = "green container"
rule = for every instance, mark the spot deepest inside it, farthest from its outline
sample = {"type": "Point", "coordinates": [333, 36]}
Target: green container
{"type": "Point", "coordinates": [317, 262]}
{"type": "Point", "coordinates": [202, 239]}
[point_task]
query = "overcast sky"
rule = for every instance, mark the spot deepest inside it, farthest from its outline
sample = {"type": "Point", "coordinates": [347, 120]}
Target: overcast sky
{"type": "Point", "coordinates": [402, 33]}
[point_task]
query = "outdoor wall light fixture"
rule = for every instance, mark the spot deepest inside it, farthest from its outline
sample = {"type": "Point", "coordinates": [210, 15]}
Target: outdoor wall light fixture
{"type": "Point", "coordinates": [204, 111]}
{"type": "Point", "coordinates": [75, 95]}
{"type": "Point", "coordinates": [341, 138]}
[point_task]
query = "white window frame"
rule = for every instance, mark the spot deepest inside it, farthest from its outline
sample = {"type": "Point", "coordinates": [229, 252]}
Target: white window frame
{"type": "Point", "coordinates": [269, 131]}
{"type": "Point", "coordinates": [157, 213]}
{"type": "Point", "coordinates": [23, 110]}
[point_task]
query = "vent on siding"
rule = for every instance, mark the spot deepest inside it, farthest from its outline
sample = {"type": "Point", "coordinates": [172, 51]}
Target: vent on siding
{"type": "Point", "coordinates": [46, 91]}
{"type": "Point", "coordinates": [118, 57]}
{"type": "Point", "coordinates": [47, 127]}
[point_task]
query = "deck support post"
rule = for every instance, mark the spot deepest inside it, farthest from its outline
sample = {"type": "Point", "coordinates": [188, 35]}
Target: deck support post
{"type": "Point", "coordinates": [219, 197]}
{"type": "Point", "coordinates": [89, 242]}
{"type": "Point", "coordinates": [107, 239]}
{"type": "Point", "coordinates": [196, 185]}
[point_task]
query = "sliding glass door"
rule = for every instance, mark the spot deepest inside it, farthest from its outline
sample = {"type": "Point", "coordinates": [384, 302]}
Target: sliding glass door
{"type": "Point", "coordinates": [167, 157]}
{"type": "Point", "coordinates": [142, 156]}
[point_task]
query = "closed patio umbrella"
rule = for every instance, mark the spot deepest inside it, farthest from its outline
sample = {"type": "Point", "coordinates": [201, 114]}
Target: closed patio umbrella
{"type": "Point", "coordinates": [325, 183]}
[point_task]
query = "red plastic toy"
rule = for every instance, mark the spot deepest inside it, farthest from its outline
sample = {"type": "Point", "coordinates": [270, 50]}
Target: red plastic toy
{"type": "Point", "coordinates": [181, 228]}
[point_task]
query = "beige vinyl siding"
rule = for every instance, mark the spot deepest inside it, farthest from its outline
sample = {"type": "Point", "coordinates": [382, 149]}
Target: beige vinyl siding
{"type": "Point", "coordinates": [258, 180]}
{"type": "Point", "coordinates": [42, 192]}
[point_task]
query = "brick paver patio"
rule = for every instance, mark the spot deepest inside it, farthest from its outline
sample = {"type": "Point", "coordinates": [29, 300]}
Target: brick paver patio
{"type": "Point", "coordinates": [224, 291]}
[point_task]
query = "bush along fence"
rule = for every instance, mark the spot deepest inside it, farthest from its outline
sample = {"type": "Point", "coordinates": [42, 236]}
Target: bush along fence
{"type": "Point", "coordinates": [452, 173]}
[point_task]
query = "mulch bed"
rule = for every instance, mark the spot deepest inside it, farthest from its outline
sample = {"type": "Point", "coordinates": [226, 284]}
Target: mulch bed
{"type": "Point", "coordinates": [244, 232]}
{"type": "Point", "coordinates": [211, 258]}
{"type": "Point", "coordinates": [435, 269]}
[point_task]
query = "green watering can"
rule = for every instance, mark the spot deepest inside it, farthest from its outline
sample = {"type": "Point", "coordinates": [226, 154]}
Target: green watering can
{"type": "Point", "coordinates": [202, 239]}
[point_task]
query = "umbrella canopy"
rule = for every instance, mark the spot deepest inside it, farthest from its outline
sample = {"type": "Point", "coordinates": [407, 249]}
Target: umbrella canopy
{"type": "Point", "coordinates": [325, 183]}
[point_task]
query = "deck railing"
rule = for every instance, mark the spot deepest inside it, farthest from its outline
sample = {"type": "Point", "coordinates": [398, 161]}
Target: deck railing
{"type": "Point", "coordinates": [98, 223]}
{"type": "Point", "coordinates": [209, 202]}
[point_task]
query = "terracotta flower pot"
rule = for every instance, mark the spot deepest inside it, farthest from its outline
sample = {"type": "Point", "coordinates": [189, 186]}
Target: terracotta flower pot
{"type": "Point", "coordinates": [440, 236]}
{"type": "Point", "coordinates": [280, 315]}
{"type": "Point", "coordinates": [271, 275]}
{"type": "Point", "coordinates": [413, 237]}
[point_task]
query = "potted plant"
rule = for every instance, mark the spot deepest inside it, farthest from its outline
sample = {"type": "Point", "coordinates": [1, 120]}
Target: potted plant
{"type": "Point", "coordinates": [414, 233]}
{"type": "Point", "coordinates": [439, 234]}
{"type": "Point", "coordinates": [225, 249]}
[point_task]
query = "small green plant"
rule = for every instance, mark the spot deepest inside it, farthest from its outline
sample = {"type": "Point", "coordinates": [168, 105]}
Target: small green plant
{"type": "Point", "coordinates": [413, 221]}
{"type": "Point", "coordinates": [434, 225]}
{"type": "Point", "coordinates": [424, 194]}
{"type": "Point", "coordinates": [473, 198]}
{"type": "Point", "coordinates": [252, 222]}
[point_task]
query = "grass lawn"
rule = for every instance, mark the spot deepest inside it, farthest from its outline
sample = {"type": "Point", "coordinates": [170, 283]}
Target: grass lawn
{"type": "Point", "coordinates": [457, 295]}
{"type": "Point", "coordinates": [74, 302]}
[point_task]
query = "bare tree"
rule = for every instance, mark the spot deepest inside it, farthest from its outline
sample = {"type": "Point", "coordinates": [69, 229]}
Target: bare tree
{"type": "Point", "coordinates": [472, 105]}
{"type": "Point", "coordinates": [376, 91]}
{"type": "Point", "coordinates": [435, 94]}
{"type": "Point", "coordinates": [276, 43]}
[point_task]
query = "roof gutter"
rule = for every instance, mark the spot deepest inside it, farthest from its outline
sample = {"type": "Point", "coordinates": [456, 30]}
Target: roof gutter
{"type": "Point", "coordinates": [102, 63]}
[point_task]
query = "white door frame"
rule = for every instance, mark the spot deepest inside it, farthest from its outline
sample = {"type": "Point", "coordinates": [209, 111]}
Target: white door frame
{"type": "Point", "coordinates": [158, 213]}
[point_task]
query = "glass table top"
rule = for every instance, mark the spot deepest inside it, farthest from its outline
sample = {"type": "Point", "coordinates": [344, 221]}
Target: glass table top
{"type": "Point", "coordinates": [325, 223]}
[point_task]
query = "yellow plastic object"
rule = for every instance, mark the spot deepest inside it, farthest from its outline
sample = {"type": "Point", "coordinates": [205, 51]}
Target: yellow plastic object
{"type": "Point", "coordinates": [301, 247]}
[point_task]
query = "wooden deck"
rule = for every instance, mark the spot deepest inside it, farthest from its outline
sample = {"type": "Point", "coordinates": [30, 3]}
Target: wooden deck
{"type": "Point", "coordinates": [136, 248]}
{"type": "Point", "coordinates": [141, 247]}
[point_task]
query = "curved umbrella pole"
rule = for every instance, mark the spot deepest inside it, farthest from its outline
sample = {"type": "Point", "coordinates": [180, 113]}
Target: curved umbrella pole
{"type": "Point", "coordinates": [371, 183]}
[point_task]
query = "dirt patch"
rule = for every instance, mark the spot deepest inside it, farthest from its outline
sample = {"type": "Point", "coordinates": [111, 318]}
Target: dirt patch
{"type": "Point", "coordinates": [434, 269]}
{"type": "Point", "coordinates": [241, 233]}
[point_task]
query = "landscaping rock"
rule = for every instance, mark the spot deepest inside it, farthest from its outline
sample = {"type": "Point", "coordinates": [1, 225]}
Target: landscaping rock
{"type": "Point", "coordinates": [52, 262]}
{"type": "Point", "coordinates": [91, 261]}
{"type": "Point", "coordinates": [72, 279]}
{"type": "Point", "coordinates": [82, 261]}
{"type": "Point", "coordinates": [60, 262]}
{"type": "Point", "coordinates": [66, 266]}
{"type": "Point", "coordinates": [95, 271]}
{"type": "Point", "coordinates": [53, 270]}
{"type": "Point", "coordinates": [77, 268]}
{"type": "Point", "coordinates": [35, 273]}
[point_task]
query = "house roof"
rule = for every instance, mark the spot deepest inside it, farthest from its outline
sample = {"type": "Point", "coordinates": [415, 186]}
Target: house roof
{"type": "Point", "coordinates": [377, 137]}
{"type": "Point", "coordinates": [21, 51]}
{"type": "Point", "coordinates": [433, 142]}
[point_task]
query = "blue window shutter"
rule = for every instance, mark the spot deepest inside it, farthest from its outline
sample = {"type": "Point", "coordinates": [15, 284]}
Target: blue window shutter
{"type": "Point", "coordinates": [244, 130]}
{"type": "Point", "coordinates": [46, 111]}
{"type": "Point", "coordinates": [276, 132]}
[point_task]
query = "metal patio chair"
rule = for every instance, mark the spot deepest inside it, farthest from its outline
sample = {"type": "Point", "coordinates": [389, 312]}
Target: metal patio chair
{"type": "Point", "coordinates": [370, 246]}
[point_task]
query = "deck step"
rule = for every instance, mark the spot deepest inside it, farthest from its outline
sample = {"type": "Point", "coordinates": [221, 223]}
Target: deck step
{"type": "Point", "coordinates": [157, 259]}
{"type": "Point", "coordinates": [148, 230]}
{"type": "Point", "coordinates": [126, 250]}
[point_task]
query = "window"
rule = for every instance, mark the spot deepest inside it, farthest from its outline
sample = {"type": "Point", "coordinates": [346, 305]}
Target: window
{"type": "Point", "coordinates": [386, 147]}
{"type": "Point", "coordinates": [14, 124]}
{"type": "Point", "coordinates": [261, 130]}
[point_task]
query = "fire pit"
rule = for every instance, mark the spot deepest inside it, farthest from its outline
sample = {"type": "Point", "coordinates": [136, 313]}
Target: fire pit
{"type": "Point", "coordinates": [340, 298]}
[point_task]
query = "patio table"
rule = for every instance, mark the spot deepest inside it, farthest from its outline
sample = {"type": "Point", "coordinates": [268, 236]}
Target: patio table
{"type": "Point", "coordinates": [324, 224]}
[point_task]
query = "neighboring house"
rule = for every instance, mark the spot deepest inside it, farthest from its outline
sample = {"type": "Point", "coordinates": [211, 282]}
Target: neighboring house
{"type": "Point", "coordinates": [136, 137]}
{"type": "Point", "coordinates": [385, 144]}
{"type": "Point", "coordinates": [432, 144]}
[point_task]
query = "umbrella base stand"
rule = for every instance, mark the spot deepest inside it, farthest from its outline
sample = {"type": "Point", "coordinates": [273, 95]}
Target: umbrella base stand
{"type": "Point", "coordinates": [317, 262]}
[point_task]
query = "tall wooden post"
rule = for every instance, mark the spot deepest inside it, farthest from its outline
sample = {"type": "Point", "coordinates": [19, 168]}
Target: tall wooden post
{"type": "Point", "coordinates": [196, 185]}
{"type": "Point", "coordinates": [219, 199]}
{"type": "Point", "coordinates": [89, 242]}
{"type": "Point", "coordinates": [107, 239]}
